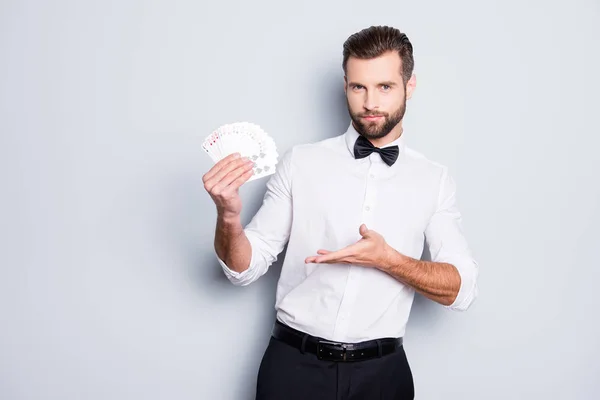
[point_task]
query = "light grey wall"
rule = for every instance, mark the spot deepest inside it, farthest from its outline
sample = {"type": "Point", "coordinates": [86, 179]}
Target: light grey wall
{"type": "Point", "coordinates": [109, 288]}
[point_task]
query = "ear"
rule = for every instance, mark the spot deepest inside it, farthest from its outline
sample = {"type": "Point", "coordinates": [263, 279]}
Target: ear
{"type": "Point", "coordinates": [411, 85]}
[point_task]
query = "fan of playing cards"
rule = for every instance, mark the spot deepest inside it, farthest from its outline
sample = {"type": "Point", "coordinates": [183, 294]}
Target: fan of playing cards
{"type": "Point", "coordinates": [248, 139]}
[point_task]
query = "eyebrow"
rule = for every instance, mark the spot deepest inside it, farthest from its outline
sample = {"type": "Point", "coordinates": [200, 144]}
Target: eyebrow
{"type": "Point", "coordinates": [388, 83]}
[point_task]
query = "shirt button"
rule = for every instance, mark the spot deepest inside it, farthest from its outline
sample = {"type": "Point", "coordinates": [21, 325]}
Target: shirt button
{"type": "Point", "coordinates": [367, 208]}
{"type": "Point", "coordinates": [371, 176]}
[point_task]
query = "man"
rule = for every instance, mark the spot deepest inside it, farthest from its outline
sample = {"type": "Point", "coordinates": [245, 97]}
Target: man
{"type": "Point", "coordinates": [355, 211]}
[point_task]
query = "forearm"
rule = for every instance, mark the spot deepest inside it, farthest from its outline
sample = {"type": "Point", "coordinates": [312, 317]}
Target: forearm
{"type": "Point", "coordinates": [437, 281]}
{"type": "Point", "coordinates": [231, 244]}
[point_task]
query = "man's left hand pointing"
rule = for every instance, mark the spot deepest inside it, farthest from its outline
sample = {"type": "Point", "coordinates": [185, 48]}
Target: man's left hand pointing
{"type": "Point", "coordinates": [370, 251]}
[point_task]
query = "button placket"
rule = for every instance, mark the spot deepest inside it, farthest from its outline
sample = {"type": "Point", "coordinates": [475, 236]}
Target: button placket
{"type": "Point", "coordinates": [342, 324]}
{"type": "Point", "coordinates": [370, 196]}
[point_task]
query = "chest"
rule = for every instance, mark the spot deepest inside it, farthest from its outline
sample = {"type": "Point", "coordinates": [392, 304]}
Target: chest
{"type": "Point", "coordinates": [332, 203]}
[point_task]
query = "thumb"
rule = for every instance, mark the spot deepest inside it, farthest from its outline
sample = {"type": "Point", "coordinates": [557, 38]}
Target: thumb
{"type": "Point", "coordinates": [363, 230]}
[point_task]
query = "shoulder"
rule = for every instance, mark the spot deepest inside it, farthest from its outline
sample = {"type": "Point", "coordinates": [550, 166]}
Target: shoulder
{"type": "Point", "coordinates": [334, 144]}
{"type": "Point", "coordinates": [423, 163]}
{"type": "Point", "coordinates": [307, 152]}
{"type": "Point", "coordinates": [430, 173]}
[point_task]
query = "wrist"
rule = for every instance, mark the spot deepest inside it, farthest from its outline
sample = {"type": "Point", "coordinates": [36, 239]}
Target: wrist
{"type": "Point", "coordinates": [393, 259]}
{"type": "Point", "coordinates": [228, 218]}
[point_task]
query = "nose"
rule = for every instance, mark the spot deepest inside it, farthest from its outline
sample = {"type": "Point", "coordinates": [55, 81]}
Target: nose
{"type": "Point", "coordinates": [371, 100]}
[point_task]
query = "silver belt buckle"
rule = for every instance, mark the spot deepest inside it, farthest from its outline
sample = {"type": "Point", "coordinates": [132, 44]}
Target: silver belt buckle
{"type": "Point", "coordinates": [323, 354]}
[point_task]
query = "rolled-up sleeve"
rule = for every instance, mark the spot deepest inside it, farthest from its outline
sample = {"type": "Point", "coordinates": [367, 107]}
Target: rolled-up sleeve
{"type": "Point", "coordinates": [269, 230]}
{"type": "Point", "coordinates": [447, 243]}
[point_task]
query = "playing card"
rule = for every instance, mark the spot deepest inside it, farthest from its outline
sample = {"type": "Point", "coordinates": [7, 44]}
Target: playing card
{"type": "Point", "coordinates": [210, 147]}
{"type": "Point", "coordinates": [248, 139]}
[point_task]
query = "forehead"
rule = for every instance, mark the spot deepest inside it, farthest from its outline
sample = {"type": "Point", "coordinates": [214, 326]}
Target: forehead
{"type": "Point", "coordinates": [387, 67]}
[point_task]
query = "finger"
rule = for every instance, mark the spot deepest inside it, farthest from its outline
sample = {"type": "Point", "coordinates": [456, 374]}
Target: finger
{"type": "Point", "coordinates": [239, 181]}
{"type": "Point", "coordinates": [329, 258]}
{"type": "Point", "coordinates": [220, 164]}
{"type": "Point", "coordinates": [224, 171]}
{"type": "Point", "coordinates": [226, 160]}
{"type": "Point", "coordinates": [335, 256]}
{"type": "Point", "coordinates": [311, 259]}
{"type": "Point", "coordinates": [229, 167]}
{"type": "Point", "coordinates": [224, 184]}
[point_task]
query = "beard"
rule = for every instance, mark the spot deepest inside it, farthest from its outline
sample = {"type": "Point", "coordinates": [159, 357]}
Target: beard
{"type": "Point", "coordinates": [376, 129]}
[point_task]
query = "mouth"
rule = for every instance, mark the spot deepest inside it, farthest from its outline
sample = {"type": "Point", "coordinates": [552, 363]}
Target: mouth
{"type": "Point", "coordinates": [372, 117]}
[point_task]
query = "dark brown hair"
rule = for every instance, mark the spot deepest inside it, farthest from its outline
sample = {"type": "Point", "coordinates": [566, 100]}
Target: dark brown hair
{"type": "Point", "coordinates": [374, 41]}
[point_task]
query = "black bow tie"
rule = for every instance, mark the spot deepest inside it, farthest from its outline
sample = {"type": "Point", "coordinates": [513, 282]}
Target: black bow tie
{"type": "Point", "coordinates": [363, 147]}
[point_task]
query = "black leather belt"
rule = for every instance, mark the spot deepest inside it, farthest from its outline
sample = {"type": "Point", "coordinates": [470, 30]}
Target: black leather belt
{"type": "Point", "coordinates": [335, 351]}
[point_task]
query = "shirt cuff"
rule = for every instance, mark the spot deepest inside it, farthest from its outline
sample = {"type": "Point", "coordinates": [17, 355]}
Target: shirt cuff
{"type": "Point", "coordinates": [468, 291]}
{"type": "Point", "coordinates": [245, 277]}
{"type": "Point", "coordinates": [231, 274]}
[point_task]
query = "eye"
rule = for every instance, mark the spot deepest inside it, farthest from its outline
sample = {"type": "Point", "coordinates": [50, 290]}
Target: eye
{"type": "Point", "coordinates": [357, 87]}
{"type": "Point", "coordinates": [386, 87]}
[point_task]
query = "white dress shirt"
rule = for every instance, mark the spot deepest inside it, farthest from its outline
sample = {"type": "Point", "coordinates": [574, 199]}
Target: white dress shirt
{"type": "Point", "coordinates": [317, 199]}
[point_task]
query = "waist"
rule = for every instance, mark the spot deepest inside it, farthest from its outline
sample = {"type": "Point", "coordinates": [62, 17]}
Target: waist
{"type": "Point", "coordinates": [335, 351]}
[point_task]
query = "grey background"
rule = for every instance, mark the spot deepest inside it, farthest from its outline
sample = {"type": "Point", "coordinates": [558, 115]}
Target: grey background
{"type": "Point", "coordinates": [109, 287]}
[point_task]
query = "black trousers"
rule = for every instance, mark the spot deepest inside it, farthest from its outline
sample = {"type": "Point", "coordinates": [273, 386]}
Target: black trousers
{"type": "Point", "coordinates": [285, 373]}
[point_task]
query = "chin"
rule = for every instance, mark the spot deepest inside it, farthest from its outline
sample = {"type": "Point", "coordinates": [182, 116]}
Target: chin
{"type": "Point", "coordinates": [374, 135]}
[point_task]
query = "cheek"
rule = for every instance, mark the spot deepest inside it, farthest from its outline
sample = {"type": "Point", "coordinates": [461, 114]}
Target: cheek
{"type": "Point", "coordinates": [355, 102]}
{"type": "Point", "coordinates": [393, 103]}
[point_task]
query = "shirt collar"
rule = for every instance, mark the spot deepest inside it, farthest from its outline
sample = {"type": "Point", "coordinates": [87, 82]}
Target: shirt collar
{"type": "Point", "coordinates": [351, 135]}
